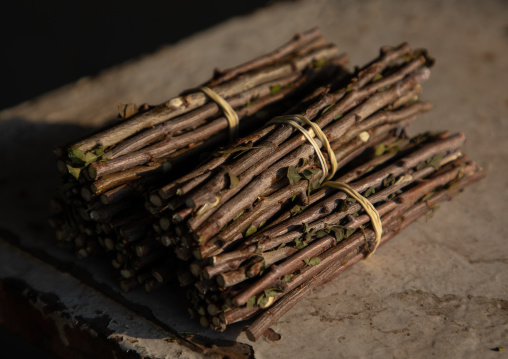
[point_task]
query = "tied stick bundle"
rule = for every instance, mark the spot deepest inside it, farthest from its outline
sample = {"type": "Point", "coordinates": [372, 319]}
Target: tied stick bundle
{"type": "Point", "coordinates": [101, 205]}
{"type": "Point", "coordinates": [213, 216]}
{"type": "Point", "coordinates": [340, 258]}
{"type": "Point", "coordinates": [305, 247]}
{"type": "Point", "coordinates": [216, 206]}
{"type": "Point", "coordinates": [264, 222]}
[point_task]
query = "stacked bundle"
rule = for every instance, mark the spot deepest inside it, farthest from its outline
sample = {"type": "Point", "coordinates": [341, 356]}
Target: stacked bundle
{"type": "Point", "coordinates": [306, 245]}
{"type": "Point", "coordinates": [106, 174]}
{"type": "Point", "coordinates": [267, 220]}
{"type": "Point", "coordinates": [379, 98]}
{"type": "Point", "coordinates": [266, 203]}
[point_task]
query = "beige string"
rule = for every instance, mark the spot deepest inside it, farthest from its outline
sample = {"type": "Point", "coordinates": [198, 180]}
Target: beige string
{"type": "Point", "coordinates": [369, 208]}
{"type": "Point", "coordinates": [230, 114]}
{"type": "Point", "coordinates": [295, 121]}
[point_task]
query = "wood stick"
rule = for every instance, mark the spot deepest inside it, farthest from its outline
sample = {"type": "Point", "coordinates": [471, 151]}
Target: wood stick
{"type": "Point", "coordinates": [298, 41]}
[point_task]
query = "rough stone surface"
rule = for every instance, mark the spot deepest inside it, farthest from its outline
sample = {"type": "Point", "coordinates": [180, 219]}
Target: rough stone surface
{"type": "Point", "coordinates": [67, 318]}
{"type": "Point", "coordinates": [440, 289]}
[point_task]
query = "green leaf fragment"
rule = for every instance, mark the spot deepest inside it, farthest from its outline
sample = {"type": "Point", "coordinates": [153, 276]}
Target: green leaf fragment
{"type": "Point", "coordinates": [99, 151]}
{"type": "Point", "coordinates": [435, 161]}
{"type": "Point", "coordinates": [272, 292]}
{"type": "Point", "coordinates": [382, 89]}
{"type": "Point", "coordinates": [427, 196]}
{"type": "Point", "coordinates": [349, 232]}
{"type": "Point", "coordinates": [300, 244]}
{"type": "Point", "coordinates": [251, 301]}
{"type": "Point", "coordinates": [293, 175]}
{"type": "Point", "coordinates": [370, 191]}
{"type": "Point", "coordinates": [321, 234]}
{"type": "Point", "coordinates": [393, 148]}
{"type": "Point", "coordinates": [287, 278]}
{"type": "Point", "coordinates": [238, 215]}
{"type": "Point", "coordinates": [76, 155]}
{"type": "Point", "coordinates": [269, 293]}
{"type": "Point", "coordinates": [233, 181]}
{"type": "Point", "coordinates": [90, 157]}
{"type": "Point", "coordinates": [312, 261]}
{"type": "Point", "coordinates": [423, 137]}
{"type": "Point", "coordinates": [338, 233]}
{"type": "Point", "coordinates": [262, 223]}
{"type": "Point", "coordinates": [337, 117]}
{"type": "Point", "coordinates": [74, 171]}
{"type": "Point", "coordinates": [318, 63]}
{"type": "Point", "coordinates": [308, 174]}
{"type": "Point", "coordinates": [310, 234]}
{"type": "Point", "coordinates": [262, 300]}
{"type": "Point", "coordinates": [296, 210]}
{"type": "Point", "coordinates": [250, 231]}
{"type": "Point", "coordinates": [388, 181]}
{"type": "Point", "coordinates": [314, 185]}
{"type": "Point", "coordinates": [380, 149]}
{"type": "Point", "coordinates": [377, 77]}
{"type": "Point", "coordinates": [421, 166]}
{"type": "Point", "coordinates": [431, 212]}
{"type": "Point", "coordinates": [274, 89]}
{"type": "Point", "coordinates": [326, 109]}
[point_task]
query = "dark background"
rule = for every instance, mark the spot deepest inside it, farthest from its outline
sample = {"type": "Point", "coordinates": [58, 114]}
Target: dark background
{"type": "Point", "coordinates": [47, 44]}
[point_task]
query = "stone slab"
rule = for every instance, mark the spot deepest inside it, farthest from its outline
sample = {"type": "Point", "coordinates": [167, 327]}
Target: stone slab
{"type": "Point", "coordinates": [440, 289]}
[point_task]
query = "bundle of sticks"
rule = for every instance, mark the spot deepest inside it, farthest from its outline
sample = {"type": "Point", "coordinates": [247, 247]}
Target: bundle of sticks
{"type": "Point", "coordinates": [307, 245]}
{"type": "Point", "coordinates": [105, 175]}
{"type": "Point", "coordinates": [210, 209]}
{"type": "Point", "coordinates": [265, 221]}
{"type": "Point", "coordinates": [252, 222]}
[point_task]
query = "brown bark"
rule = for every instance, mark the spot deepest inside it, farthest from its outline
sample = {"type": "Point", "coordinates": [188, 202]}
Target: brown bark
{"type": "Point", "coordinates": [345, 100]}
{"type": "Point", "coordinates": [183, 104]}
{"type": "Point", "coordinates": [247, 196]}
{"type": "Point", "coordinates": [290, 265]}
{"type": "Point", "coordinates": [255, 330]}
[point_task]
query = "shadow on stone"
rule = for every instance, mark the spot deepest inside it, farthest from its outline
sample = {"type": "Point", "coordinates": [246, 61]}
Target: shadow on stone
{"type": "Point", "coordinates": [27, 183]}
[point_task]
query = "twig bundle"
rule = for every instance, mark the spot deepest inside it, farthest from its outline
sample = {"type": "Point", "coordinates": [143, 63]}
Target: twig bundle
{"type": "Point", "coordinates": [413, 176]}
{"type": "Point", "coordinates": [252, 230]}
{"type": "Point", "coordinates": [105, 175]}
{"type": "Point", "coordinates": [251, 225]}
{"type": "Point", "coordinates": [378, 98]}
{"type": "Point", "coordinates": [226, 199]}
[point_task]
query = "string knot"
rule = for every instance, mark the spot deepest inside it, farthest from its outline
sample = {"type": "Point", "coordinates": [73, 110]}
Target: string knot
{"type": "Point", "coordinates": [315, 131]}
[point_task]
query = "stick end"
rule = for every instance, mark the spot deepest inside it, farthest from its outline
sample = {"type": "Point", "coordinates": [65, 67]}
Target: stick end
{"type": "Point", "coordinates": [250, 335]}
